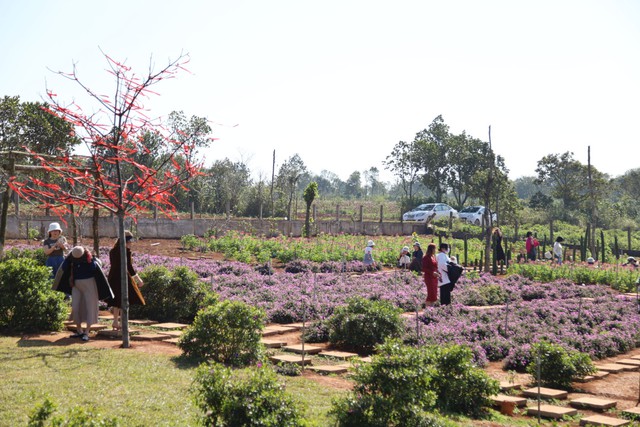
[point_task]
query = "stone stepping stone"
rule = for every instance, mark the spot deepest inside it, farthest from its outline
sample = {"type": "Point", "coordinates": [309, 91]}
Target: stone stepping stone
{"type": "Point", "coordinates": [546, 393]}
{"type": "Point", "coordinates": [603, 421]}
{"type": "Point", "coordinates": [143, 322]}
{"type": "Point", "coordinates": [593, 403]}
{"type": "Point", "coordinates": [597, 376]}
{"type": "Point", "coordinates": [170, 325]}
{"type": "Point", "coordinates": [632, 413]}
{"type": "Point", "coordinates": [297, 348]}
{"type": "Point", "coordinates": [342, 355]}
{"type": "Point", "coordinates": [633, 362]}
{"type": "Point", "coordinates": [289, 358]}
{"type": "Point", "coordinates": [366, 359]}
{"type": "Point", "coordinates": [296, 326]}
{"type": "Point", "coordinates": [172, 340]}
{"type": "Point", "coordinates": [94, 327]}
{"type": "Point", "coordinates": [636, 357]}
{"type": "Point", "coordinates": [271, 343]}
{"type": "Point", "coordinates": [551, 411]}
{"type": "Point", "coordinates": [275, 330]}
{"type": "Point", "coordinates": [330, 369]}
{"type": "Point", "coordinates": [506, 386]}
{"type": "Point", "coordinates": [613, 368]}
{"type": "Point", "coordinates": [150, 337]}
{"type": "Point", "coordinates": [105, 317]}
{"type": "Point", "coordinates": [498, 399]}
{"type": "Point", "coordinates": [173, 333]}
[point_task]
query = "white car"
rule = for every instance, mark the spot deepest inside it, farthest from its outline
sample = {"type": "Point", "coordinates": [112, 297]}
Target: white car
{"type": "Point", "coordinates": [424, 212]}
{"type": "Point", "coordinates": [474, 214]}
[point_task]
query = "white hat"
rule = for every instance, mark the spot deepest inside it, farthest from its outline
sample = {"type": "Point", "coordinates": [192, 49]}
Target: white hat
{"type": "Point", "coordinates": [77, 251]}
{"type": "Point", "coordinates": [370, 243]}
{"type": "Point", "coordinates": [453, 259]}
{"type": "Point", "coordinates": [54, 226]}
{"type": "Point", "coordinates": [631, 259]}
{"type": "Point", "coordinates": [548, 255]}
{"type": "Point", "coordinates": [590, 260]}
{"type": "Point", "coordinates": [405, 249]}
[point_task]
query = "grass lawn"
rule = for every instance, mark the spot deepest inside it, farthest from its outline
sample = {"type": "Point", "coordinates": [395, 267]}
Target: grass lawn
{"type": "Point", "coordinates": [139, 389]}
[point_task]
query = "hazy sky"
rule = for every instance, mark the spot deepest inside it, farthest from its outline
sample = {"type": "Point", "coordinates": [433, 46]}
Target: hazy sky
{"type": "Point", "coordinates": [341, 82]}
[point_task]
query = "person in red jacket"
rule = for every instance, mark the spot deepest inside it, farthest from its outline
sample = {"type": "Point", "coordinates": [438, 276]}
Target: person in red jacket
{"type": "Point", "coordinates": [532, 246]}
{"type": "Point", "coordinates": [430, 269]}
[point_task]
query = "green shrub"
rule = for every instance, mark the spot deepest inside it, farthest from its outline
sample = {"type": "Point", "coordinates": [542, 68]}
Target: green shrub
{"type": "Point", "coordinates": [362, 324]}
{"type": "Point", "coordinates": [27, 303]}
{"type": "Point", "coordinates": [317, 331]}
{"type": "Point", "coordinates": [172, 296]}
{"type": "Point", "coordinates": [248, 397]}
{"type": "Point", "coordinates": [78, 417]}
{"type": "Point", "coordinates": [558, 367]}
{"type": "Point", "coordinates": [227, 332]}
{"type": "Point", "coordinates": [461, 386]}
{"type": "Point", "coordinates": [393, 390]}
{"type": "Point", "coordinates": [35, 254]}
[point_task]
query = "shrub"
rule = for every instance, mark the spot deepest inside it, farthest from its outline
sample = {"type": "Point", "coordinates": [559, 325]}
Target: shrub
{"type": "Point", "coordinates": [227, 332]}
{"type": "Point", "coordinates": [172, 296]}
{"type": "Point", "coordinates": [558, 367]}
{"type": "Point", "coordinates": [393, 390]}
{"type": "Point", "coordinates": [460, 385]}
{"type": "Point", "coordinates": [26, 252]}
{"type": "Point", "coordinates": [250, 397]}
{"type": "Point", "coordinates": [362, 323]}
{"type": "Point", "coordinates": [318, 331]}
{"type": "Point", "coordinates": [27, 303]}
{"type": "Point", "coordinates": [78, 416]}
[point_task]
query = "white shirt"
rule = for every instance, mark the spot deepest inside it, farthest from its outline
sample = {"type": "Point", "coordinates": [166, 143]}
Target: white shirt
{"type": "Point", "coordinates": [442, 260]}
{"type": "Point", "coordinates": [557, 249]}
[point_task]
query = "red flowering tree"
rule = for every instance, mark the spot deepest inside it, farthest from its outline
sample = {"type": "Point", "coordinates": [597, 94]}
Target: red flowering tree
{"type": "Point", "coordinates": [117, 134]}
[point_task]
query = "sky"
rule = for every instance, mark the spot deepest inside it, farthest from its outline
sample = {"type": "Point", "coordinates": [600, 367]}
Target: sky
{"type": "Point", "coordinates": [340, 82]}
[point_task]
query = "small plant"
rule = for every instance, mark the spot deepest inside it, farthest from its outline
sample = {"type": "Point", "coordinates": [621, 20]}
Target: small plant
{"type": "Point", "coordinates": [172, 296]}
{"type": "Point", "coordinates": [77, 416]}
{"type": "Point", "coordinates": [228, 332]}
{"type": "Point", "coordinates": [33, 233]}
{"type": "Point", "coordinates": [317, 332]}
{"type": "Point", "coordinates": [363, 323]}
{"type": "Point", "coordinates": [558, 367]}
{"type": "Point", "coordinates": [248, 397]}
{"type": "Point", "coordinates": [287, 369]}
{"type": "Point", "coordinates": [395, 389]}
{"type": "Point", "coordinates": [27, 303]}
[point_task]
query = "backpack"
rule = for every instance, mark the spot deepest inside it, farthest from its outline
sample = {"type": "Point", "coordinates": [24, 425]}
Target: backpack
{"type": "Point", "coordinates": [454, 271]}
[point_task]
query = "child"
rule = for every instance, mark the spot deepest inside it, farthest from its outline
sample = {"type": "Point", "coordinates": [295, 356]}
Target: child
{"type": "Point", "coordinates": [403, 259]}
{"type": "Point", "coordinates": [368, 253]}
{"type": "Point", "coordinates": [557, 250]}
{"type": "Point", "coordinates": [54, 247]}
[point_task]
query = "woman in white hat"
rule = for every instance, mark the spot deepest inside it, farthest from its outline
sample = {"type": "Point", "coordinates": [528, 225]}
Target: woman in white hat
{"type": "Point", "coordinates": [368, 253]}
{"type": "Point", "coordinates": [404, 260]}
{"type": "Point", "coordinates": [54, 247]}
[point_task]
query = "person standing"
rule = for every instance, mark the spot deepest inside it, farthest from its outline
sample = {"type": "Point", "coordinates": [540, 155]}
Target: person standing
{"type": "Point", "coordinates": [81, 276]}
{"type": "Point", "coordinates": [133, 280]}
{"type": "Point", "coordinates": [532, 247]}
{"type": "Point", "coordinates": [416, 258]}
{"type": "Point", "coordinates": [368, 254]}
{"type": "Point", "coordinates": [557, 250]}
{"type": "Point", "coordinates": [443, 279]}
{"type": "Point", "coordinates": [54, 247]}
{"type": "Point", "coordinates": [431, 274]}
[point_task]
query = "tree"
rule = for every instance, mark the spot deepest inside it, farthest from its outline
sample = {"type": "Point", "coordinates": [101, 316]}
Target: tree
{"type": "Point", "coordinates": [404, 162]}
{"type": "Point", "coordinates": [353, 186]}
{"type": "Point", "coordinates": [224, 185]}
{"type": "Point", "coordinates": [27, 126]}
{"type": "Point", "coordinates": [289, 176]}
{"type": "Point", "coordinates": [112, 136]}
{"type": "Point", "coordinates": [466, 156]}
{"type": "Point", "coordinates": [310, 194]}
{"type": "Point", "coordinates": [432, 149]}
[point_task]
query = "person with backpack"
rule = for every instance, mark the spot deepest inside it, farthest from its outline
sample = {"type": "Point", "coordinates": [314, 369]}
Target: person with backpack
{"type": "Point", "coordinates": [444, 284]}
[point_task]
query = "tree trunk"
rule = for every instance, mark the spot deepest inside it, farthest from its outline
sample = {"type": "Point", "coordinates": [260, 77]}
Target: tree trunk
{"type": "Point", "coordinates": [124, 281]}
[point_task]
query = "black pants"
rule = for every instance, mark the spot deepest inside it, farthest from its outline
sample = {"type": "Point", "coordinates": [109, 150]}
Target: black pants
{"type": "Point", "coordinates": [445, 294]}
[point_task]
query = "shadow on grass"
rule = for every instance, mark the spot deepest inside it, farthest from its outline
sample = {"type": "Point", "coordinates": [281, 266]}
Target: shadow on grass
{"type": "Point", "coordinates": [186, 362]}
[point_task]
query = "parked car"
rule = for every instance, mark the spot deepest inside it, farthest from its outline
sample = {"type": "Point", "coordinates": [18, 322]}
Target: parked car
{"type": "Point", "coordinates": [425, 211]}
{"type": "Point", "coordinates": [474, 214]}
